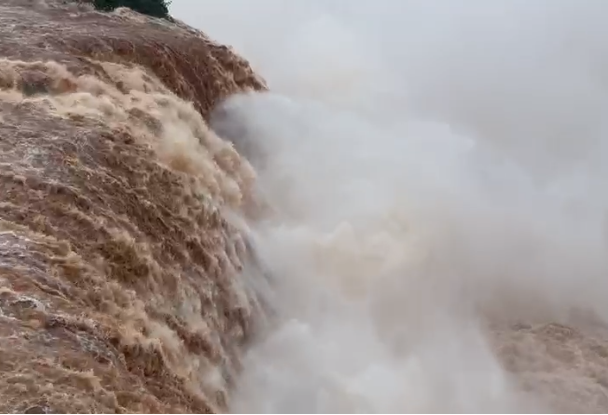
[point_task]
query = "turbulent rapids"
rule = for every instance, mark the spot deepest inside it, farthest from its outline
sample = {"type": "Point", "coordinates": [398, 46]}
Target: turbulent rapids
{"type": "Point", "coordinates": [387, 221]}
{"type": "Point", "coordinates": [119, 274]}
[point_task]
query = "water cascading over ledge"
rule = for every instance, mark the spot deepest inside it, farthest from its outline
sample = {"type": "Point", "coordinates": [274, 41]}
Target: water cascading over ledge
{"type": "Point", "coordinates": [119, 277]}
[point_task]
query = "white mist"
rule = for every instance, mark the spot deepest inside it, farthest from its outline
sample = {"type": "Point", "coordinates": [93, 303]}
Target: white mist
{"type": "Point", "coordinates": [433, 168]}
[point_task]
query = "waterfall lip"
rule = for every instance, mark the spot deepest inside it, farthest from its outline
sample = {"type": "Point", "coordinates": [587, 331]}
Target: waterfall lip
{"type": "Point", "coordinates": [118, 272]}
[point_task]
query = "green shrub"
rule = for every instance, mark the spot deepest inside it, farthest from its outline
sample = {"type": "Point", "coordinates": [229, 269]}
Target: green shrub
{"type": "Point", "coordinates": [155, 8]}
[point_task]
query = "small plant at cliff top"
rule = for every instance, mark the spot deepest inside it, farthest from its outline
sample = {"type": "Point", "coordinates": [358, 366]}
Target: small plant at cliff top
{"type": "Point", "coordinates": [155, 8]}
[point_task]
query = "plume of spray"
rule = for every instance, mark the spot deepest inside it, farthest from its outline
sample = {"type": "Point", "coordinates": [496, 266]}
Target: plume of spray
{"type": "Point", "coordinates": [432, 168]}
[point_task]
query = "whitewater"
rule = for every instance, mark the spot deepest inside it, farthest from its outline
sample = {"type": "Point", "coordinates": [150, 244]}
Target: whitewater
{"type": "Point", "coordinates": [436, 225]}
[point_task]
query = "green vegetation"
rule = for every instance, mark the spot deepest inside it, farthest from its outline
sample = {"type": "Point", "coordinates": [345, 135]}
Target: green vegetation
{"type": "Point", "coordinates": [155, 8]}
